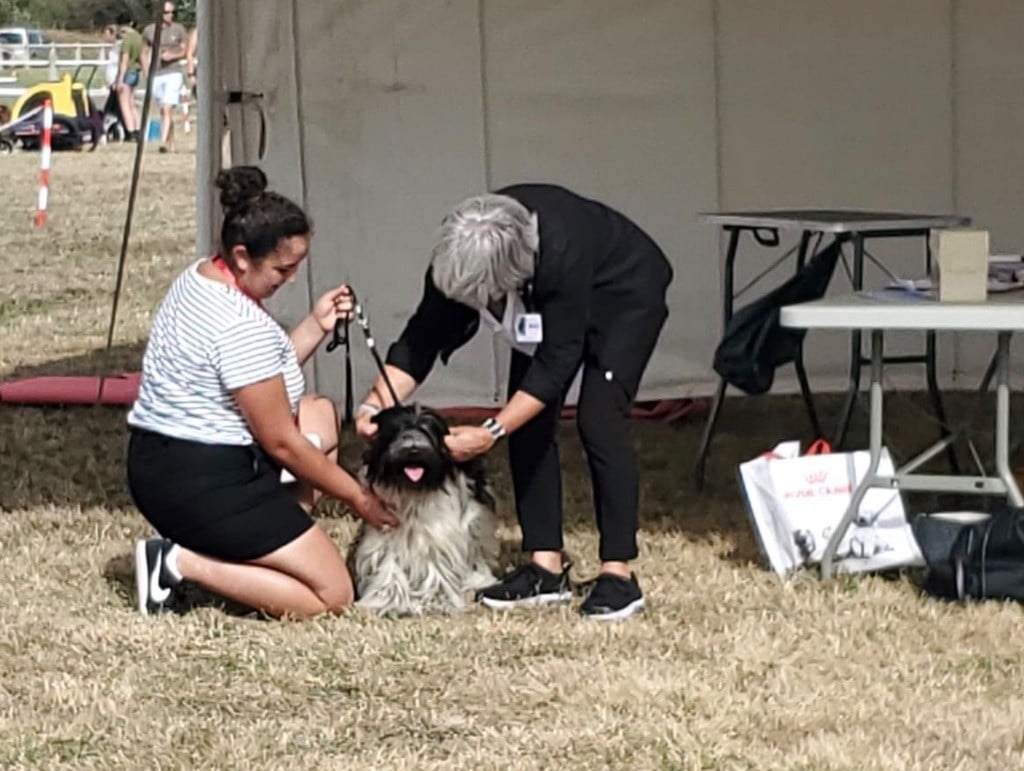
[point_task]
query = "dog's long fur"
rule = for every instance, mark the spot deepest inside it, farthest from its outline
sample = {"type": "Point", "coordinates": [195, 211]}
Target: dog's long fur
{"type": "Point", "coordinates": [446, 545]}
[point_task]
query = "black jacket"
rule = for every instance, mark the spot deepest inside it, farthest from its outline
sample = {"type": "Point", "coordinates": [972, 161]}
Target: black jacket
{"type": "Point", "coordinates": [594, 268]}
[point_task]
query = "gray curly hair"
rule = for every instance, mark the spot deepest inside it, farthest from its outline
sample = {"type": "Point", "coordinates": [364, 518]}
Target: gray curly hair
{"type": "Point", "coordinates": [484, 249]}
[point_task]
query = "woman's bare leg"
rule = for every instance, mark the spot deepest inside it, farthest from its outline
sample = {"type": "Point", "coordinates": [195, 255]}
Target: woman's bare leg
{"type": "Point", "coordinates": [317, 415]}
{"type": "Point", "coordinates": [302, 579]}
{"type": "Point", "coordinates": [129, 114]}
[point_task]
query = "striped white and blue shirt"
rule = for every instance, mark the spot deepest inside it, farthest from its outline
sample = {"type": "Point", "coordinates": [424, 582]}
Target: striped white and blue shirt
{"type": "Point", "coordinates": [208, 340]}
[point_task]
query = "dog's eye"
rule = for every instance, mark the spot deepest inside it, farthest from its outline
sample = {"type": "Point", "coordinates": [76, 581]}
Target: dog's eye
{"type": "Point", "coordinates": [436, 423]}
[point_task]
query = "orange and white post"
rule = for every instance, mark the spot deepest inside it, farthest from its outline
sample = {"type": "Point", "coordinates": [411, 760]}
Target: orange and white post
{"type": "Point", "coordinates": [44, 164]}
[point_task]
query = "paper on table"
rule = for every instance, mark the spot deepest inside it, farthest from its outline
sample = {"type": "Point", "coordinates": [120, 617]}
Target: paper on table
{"type": "Point", "coordinates": [1005, 274]}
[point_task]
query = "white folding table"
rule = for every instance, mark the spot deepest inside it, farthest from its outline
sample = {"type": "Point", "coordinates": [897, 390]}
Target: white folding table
{"type": "Point", "coordinates": [842, 225]}
{"type": "Point", "coordinates": [889, 310]}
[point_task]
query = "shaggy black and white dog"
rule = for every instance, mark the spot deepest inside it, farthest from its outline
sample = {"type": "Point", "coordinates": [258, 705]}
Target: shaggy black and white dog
{"type": "Point", "coordinates": [446, 545]}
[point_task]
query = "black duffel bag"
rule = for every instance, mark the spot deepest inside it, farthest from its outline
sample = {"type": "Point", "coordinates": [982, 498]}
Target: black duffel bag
{"type": "Point", "coordinates": [984, 560]}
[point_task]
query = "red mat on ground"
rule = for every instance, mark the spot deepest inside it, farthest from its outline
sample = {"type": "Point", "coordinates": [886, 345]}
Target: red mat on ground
{"type": "Point", "coordinates": [665, 410]}
{"type": "Point", "coordinates": [122, 389]}
{"type": "Point", "coordinates": [72, 389]}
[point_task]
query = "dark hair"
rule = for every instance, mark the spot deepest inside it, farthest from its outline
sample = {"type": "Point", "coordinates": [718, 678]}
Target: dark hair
{"type": "Point", "coordinates": [254, 217]}
{"type": "Point", "coordinates": [123, 19]}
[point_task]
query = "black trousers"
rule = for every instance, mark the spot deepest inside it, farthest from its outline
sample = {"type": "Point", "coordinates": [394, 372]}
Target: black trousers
{"type": "Point", "coordinates": [609, 385]}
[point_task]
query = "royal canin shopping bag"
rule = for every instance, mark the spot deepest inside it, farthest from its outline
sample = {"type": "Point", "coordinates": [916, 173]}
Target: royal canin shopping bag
{"type": "Point", "coordinates": [796, 501]}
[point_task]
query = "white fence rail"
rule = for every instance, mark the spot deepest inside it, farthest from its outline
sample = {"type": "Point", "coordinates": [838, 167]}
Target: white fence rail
{"type": "Point", "coordinates": [57, 57]}
{"type": "Point", "coordinates": [9, 93]}
{"type": "Point", "coordinates": [54, 55]}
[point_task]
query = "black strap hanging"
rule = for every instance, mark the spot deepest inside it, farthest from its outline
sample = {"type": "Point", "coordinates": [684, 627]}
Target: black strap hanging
{"type": "Point", "coordinates": [341, 336]}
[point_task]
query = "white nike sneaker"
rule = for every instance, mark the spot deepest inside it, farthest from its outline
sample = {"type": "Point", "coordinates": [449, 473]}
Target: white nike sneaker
{"type": "Point", "coordinates": [153, 581]}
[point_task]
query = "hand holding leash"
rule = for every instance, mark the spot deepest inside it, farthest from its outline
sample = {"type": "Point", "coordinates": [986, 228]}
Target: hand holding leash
{"type": "Point", "coordinates": [341, 337]}
{"type": "Point", "coordinates": [334, 308]}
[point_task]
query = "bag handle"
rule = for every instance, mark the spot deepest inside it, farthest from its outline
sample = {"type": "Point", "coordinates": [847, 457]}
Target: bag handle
{"type": "Point", "coordinates": [819, 447]}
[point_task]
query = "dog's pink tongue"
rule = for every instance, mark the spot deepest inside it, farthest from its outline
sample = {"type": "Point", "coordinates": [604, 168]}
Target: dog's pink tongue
{"type": "Point", "coordinates": [415, 473]}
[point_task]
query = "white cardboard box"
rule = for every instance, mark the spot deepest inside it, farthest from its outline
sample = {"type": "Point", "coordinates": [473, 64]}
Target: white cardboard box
{"type": "Point", "coordinates": [960, 257]}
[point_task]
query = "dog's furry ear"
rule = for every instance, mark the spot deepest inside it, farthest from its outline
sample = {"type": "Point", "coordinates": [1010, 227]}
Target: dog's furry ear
{"type": "Point", "coordinates": [436, 421]}
{"type": "Point", "coordinates": [475, 470]}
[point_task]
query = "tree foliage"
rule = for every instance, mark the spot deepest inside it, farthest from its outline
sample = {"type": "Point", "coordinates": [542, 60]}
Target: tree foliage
{"type": "Point", "coordinates": [87, 14]}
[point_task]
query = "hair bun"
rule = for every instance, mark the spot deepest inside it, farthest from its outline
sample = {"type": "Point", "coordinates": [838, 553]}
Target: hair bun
{"type": "Point", "coordinates": [240, 184]}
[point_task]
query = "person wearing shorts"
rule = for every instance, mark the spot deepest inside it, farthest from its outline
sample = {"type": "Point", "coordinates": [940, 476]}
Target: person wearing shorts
{"type": "Point", "coordinates": [129, 68]}
{"type": "Point", "coordinates": [168, 79]}
{"type": "Point", "coordinates": [221, 415]}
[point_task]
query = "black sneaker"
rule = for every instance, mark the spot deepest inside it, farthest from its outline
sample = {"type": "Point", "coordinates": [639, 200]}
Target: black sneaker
{"type": "Point", "coordinates": [153, 583]}
{"type": "Point", "coordinates": [613, 598]}
{"type": "Point", "coordinates": [527, 586]}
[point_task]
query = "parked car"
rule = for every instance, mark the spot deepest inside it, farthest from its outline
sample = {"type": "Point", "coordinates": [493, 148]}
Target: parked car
{"type": "Point", "coordinates": [21, 43]}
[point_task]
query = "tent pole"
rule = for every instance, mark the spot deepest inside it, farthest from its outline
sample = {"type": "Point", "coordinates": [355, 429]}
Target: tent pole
{"type": "Point", "coordinates": [140, 145]}
{"type": "Point", "coordinates": [207, 133]}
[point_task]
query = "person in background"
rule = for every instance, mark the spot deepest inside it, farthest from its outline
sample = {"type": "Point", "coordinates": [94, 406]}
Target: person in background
{"type": "Point", "coordinates": [129, 71]}
{"type": "Point", "coordinates": [111, 37]}
{"type": "Point", "coordinates": [221, 414]}
{"type": "Point", "coordinates": [168, 80]}
{"type": "Point", "coordinates": [192, 58]}
{"type": "Point", "coordinates": [566, 282]}
{"type": "Point", "coordinates": [191, 71]}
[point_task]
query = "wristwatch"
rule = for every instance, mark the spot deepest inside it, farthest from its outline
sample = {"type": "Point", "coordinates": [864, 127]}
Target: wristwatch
{"type": "Point", "coordinates": [494, 426]}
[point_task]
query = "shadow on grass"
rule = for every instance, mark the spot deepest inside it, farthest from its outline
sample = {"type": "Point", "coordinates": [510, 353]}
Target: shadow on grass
{"type": "Point", "coordinates": [74, 456]}
{"type": "Point", "coordinates": [126, 357]}
{"type": "Point", "coordinates": [751, 425]}
{"type": "Point", "coordinates": [119, 572]}
{"type": "Point", "coordinates": [66, 455]}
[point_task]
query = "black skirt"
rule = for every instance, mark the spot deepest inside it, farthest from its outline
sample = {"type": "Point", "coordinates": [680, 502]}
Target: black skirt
{"type": "Point", "coordinates": [223, 501]}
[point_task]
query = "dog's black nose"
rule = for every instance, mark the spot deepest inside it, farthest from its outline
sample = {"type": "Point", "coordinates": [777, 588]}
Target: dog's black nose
{"type": "Point", "coordinates": [413, 442]}
{"type": "Point", "coordinates": [410, 445]}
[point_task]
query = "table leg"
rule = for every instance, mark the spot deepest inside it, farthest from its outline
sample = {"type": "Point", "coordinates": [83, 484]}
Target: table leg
{"type": "Point", "coordinates": [936, 396]}
{"type": "Point", "coordinates": [729, 279]}
{"type": "Point", "coordinates": [801, 370]}
{"type": "Point", "coordinates": [990, 373]}
{"type": "Point", "coordinates": [1003, 420]}
{"type": "Point", "coordinates": [870, 475]}
{"type": "Point", "coordinates": [709, 431]}
{"type": "Point", "coordinates": [728, 289]}
{"type": "Point", "coordinates": [855, 349]}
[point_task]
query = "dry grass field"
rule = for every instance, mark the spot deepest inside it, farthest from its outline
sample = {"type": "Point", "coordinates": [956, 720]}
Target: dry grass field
{"type": "Point", "coordinates": [730, 668]}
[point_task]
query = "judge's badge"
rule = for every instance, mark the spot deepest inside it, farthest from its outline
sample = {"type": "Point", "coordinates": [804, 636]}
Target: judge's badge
{"type": "Point", "coordinates": [529, 328]}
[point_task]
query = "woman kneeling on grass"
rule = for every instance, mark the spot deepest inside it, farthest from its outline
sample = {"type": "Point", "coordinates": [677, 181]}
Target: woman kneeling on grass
{"type": "Point", "coordinates": [220, 413]}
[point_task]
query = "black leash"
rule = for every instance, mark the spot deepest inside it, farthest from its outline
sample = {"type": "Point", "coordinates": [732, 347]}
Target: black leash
{"type": "Point", "coordinates": [342, 337]}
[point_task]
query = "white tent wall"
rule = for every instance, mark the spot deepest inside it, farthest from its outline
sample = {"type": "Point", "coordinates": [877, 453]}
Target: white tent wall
{"type": "Point", "coordinates": [393, 130]}
{"type": "Point", "coordinates": [382, 113]}
{"type": "Point", "coordinates": [847, 104]}
{"type": "Point", "coordinates": [617, 100]}
{"type": "Point", "coordinates": [989, 127]}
